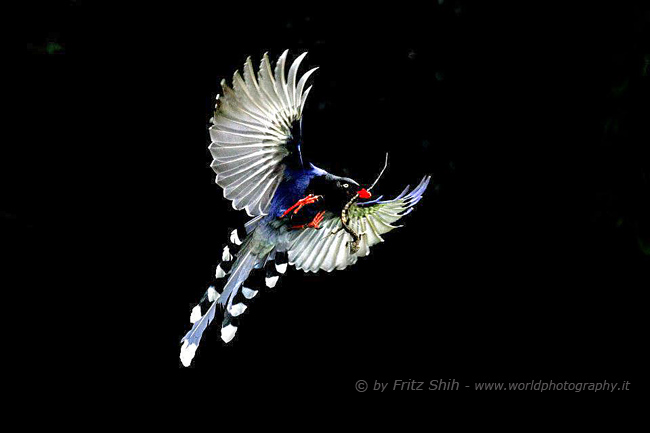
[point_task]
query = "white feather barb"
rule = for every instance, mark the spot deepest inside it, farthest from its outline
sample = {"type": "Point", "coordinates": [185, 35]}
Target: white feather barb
{"type": "Point", "coordinates": [256, 114]}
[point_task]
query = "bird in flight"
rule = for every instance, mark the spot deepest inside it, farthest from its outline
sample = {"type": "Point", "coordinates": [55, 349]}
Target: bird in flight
{"type": "Point", "coordinates": [301, 215]}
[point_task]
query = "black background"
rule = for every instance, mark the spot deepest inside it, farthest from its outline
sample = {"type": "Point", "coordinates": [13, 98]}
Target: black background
{"type": "Point", "coordinates": [526, 259]}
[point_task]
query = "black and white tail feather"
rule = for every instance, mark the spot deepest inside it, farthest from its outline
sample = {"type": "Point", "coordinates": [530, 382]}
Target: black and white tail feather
{"type": "Point", "coordinates": [250, 131]}
{"type": "Point", "coordinates": [237, 262]}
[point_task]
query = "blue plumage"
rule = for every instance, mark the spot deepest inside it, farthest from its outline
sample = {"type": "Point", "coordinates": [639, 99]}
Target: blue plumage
{"type": "Point", "coordinates": [301, 215]}
{"type": "Point", "coordinates": [292, 188]}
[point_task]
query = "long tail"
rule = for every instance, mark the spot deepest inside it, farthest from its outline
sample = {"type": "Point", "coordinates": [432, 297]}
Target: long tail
{"type": "Point", "coordinates": [237, 272]}
{"type": "Point", "coordinates": [235, 297]}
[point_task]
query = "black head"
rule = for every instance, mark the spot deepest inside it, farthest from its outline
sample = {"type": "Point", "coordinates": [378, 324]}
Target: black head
{"type": "Point", "coordinates": [346, 185]}
{"type": "Point", "coordinates": [342, 190]}
{"type": "Point", "coordinates": [335, 190]}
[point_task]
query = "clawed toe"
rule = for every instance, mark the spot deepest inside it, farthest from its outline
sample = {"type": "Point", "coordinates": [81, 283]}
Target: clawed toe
{"type": "Point", "coordinates": [301, 203]}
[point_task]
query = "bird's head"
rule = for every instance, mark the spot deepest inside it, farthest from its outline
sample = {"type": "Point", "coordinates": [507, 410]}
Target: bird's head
{"type": "Point", "coordinates": [350, 187]}
{"type": "Point", "coordinates": [336, 190]}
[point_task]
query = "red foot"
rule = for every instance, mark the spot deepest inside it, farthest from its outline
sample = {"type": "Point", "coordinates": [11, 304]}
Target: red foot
{"type": "Point", "coordinates": [300, 203]}
{"type": "Point", "coordinates": [315, 223]}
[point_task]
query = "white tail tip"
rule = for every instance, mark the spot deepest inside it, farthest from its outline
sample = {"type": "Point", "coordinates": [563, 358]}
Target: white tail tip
{"type": "Point", "coordinates": [234, 237]}
{"type": "Point", "coordinates": [248, 293]}
{"type": "Point", "coordinates": [228, 333]}
{"type": "Point", "coordinates": [226, 256]}
{"type": "Point", "coordinates": [237, 309]}
{"type": "Point", "coordinates": [196, 314]}
{"type": "Point", "coordinates": [187, 353]}
{"type": "Point", "coordinates": [212, 294]}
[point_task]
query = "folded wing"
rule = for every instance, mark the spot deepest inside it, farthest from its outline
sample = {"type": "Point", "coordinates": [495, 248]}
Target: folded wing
{"type": "Point", "coordinates": [253, 131]}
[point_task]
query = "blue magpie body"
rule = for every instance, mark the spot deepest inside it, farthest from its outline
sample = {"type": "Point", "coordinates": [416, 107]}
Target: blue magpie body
{"type": "Point", "coordinates": [301, 215]}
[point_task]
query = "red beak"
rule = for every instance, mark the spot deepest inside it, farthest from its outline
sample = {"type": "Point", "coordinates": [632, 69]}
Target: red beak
{"type": "Point", "coordinates": [364, 194]}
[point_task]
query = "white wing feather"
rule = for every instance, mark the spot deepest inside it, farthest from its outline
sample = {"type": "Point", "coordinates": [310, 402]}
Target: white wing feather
{"type": "Point", "coordinates": [328, 249]}
{"type": "Point", "coordinates": [250, 130]}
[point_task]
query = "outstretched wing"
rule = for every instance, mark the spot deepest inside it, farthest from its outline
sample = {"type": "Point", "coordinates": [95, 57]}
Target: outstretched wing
{"type": "Point", "coordinates": [327, 248]}
{"type": "Point", "coordinates": [254, 129]}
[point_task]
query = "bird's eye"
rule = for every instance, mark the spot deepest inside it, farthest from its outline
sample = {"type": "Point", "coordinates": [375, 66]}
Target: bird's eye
{"type": "Point", "coordinates": [345, 185]}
